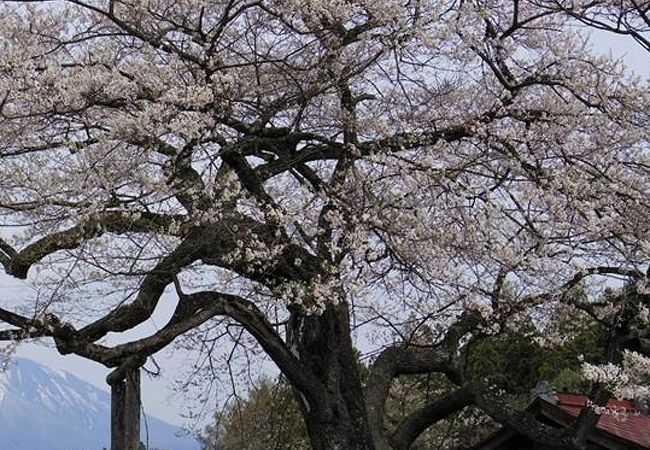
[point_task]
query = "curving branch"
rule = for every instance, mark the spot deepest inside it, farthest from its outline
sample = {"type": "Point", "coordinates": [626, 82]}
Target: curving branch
{"type": "Point", "coordinates": [152, 287]}
{"type": "Point", "coordinates": [421, 419]}
{"type": "Point", "coordinates": [523, 422]}
{"type": "Point", "coordinates": [213, 244]}
{"type": "Point", "coordinates": [197, 308]}
{"type": "Point", "coordinates": [192, 310]}
{"type": "Point", "coordinates": [396, 361]}
{"type": "Point", "coordinates": [411, 360]}
{"type": "Point", "coordinates": [391, 363]}
{"type": "Point", "coordinates": [7, 254]}
{"type": "Point", "coordinates": [106, 222]}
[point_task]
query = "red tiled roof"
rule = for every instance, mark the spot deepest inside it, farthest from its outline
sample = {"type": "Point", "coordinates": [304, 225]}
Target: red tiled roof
{"type": "Point", "coordinates": [621, 417]}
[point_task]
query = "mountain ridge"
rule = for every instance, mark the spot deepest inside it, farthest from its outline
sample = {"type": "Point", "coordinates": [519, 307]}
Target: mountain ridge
{"type": "Point", "coordinates": [47, 409]}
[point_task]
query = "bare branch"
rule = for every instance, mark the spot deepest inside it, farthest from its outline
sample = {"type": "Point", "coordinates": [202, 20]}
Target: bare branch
{"type": "Point", "coordinates": [113, 222]}
{"type": "Point", "coordinates": [421, 419]}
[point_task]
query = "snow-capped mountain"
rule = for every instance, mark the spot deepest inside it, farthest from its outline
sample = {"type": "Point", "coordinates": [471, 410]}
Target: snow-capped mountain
{"type": "Point", "coordinates": [44, 409]}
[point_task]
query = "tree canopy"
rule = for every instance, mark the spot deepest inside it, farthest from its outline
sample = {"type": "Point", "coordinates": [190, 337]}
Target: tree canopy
{"type": "Point", "coordinates": [313, 175]}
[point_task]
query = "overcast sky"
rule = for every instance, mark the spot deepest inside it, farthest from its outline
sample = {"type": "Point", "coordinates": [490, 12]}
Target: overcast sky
{"type": "Point", "coordinates": [158, 397]}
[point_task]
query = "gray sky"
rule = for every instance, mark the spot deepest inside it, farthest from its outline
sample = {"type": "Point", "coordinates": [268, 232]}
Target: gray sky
{"type": "Point", "coordinates": [158, 397]}
{"type": "Point", "coordinates": [634, 57]}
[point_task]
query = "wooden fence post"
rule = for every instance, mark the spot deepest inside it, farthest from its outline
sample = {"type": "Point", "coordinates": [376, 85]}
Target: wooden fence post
{"type": "Point", "coordinates": [125, 408]}
{"type": "Point", "coordinates": [118, 394]}
{"type": "Point", "coordinates": [132, 410]}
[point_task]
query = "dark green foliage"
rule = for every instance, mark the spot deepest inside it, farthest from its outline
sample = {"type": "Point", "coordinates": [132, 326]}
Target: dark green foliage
{"type": "Point", "coordinates": [517, 360]}
{"type": "Point", "coordinates": [268, 419]}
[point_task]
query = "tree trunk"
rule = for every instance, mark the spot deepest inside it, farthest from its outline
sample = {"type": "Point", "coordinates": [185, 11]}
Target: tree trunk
{"type": "Point", "coordinates": [125, 412]}
{"type": "Point", "coordinates": [337, 436]}
{"type": "Point", "coordinates": [323, 343]}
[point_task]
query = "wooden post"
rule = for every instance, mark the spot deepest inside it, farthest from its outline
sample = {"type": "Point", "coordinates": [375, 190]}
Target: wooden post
{"type": "Point", "coordinates": [125, 409]}
{"type": "Point", "coordinates": [132, 411]}
{"type": "Point", "coordinates": [118, 395]}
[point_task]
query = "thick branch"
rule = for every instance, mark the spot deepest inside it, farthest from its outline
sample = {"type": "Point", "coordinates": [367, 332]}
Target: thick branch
{"type": "Point", "coordinates": [29, 328]}
{"type": "Point", "coordinates": [522, 422]}
{"type": "Point", "coordinates": [111, 221]}
{"type": "Point", "coordinates": [407, 141]}
{"type": "Point", "coordinates": [392, 362]}
{"type": "Point", "coordinates": [213, 244]}
{"type": "Point", "coordinates": [298, 158]}
{"type": "Point", "coordinates": [186, 183]}
{"type": "Point", "coordinates": [14, 319]}
{"type": "Point", "coordinates": [336, 151]}
{"type": "Point", "coordinates": [16, 334]}
{"type": "Point", "coordinates": [195, 309]}
{"type": "Point", "coordinates": [418, 421]}
{"type": "Point", "coordinates": [128, 316]}
{"type": "Point", "coordinates": [410, 360]}
{"type": "Point", "coordinates": [7, 254]}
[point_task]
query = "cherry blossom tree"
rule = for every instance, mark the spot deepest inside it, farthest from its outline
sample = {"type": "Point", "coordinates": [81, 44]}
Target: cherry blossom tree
{"type": "Point", "coordinates": [625, 17]}
{"type": "Point", "coordinates": [303, 171]}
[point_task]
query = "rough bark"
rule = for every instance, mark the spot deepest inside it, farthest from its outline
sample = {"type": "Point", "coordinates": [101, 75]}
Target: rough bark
{"type": "Point", "coordinates": [338, 420]}
{"type": "Point", "coordinates": [421, 419]}
{"type": "Point", "coordinates": [118, 403]}
{"type": "Point", "coordinates": [125, 409]}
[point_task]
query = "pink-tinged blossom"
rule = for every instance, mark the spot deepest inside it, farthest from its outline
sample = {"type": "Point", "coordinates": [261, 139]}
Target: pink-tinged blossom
{"type": "Point", "coordinates": [382, 165]}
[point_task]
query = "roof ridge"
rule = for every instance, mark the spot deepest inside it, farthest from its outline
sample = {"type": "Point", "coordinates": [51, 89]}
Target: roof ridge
{"type": "Point", "coordinates": [580, 400]}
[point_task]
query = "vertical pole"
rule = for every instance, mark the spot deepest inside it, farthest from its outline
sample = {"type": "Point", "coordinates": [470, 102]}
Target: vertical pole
{"type": "Point", "coordinates": [118, 394]}
{"type": "Point", "coordinates": [132, 410]}
{"type": "Point", "coordinates": [125, 408]}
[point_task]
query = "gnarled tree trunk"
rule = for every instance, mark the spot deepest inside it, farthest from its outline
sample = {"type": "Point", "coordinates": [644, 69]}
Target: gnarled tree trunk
{"type": "Point", "coordinates": [338, 420]}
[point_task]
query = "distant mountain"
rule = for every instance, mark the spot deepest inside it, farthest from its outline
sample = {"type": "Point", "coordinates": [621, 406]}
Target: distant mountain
{"type": "Point", "coordinates": [44, 409]}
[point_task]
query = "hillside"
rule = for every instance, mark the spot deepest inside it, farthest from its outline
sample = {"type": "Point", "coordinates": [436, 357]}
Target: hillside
{"type": "Point", "coordinates": [44, 409]}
